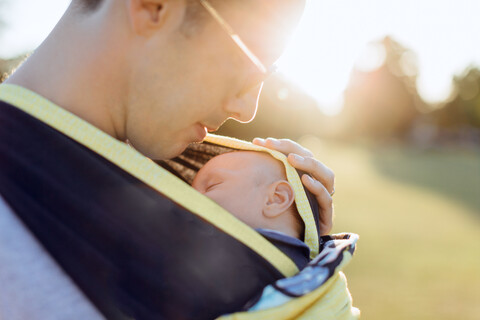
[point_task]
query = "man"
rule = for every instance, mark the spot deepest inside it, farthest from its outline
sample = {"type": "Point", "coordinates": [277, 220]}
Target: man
{"type": "Point", "coordinates": [158, 74]}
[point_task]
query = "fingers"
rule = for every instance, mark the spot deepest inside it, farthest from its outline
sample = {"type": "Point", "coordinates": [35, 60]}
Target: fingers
{"type": "Point", "coordinates": [325, 203]}
{"type": "Point", "coordinates": [306, 162]}
{"type": "Point", "coordinates": [285, 146]}
{"type": "Point", "coordinates": [317, 169]}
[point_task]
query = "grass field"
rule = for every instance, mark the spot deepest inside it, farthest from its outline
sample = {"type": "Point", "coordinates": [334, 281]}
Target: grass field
{"type": "Point", "coordinates": [418, 216]}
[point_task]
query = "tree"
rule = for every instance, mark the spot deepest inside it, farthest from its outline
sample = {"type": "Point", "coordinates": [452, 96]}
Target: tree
{"type": "Point", "coordinates": [383, 102]}
{"type": "Point", "coordinates": [464, 107]}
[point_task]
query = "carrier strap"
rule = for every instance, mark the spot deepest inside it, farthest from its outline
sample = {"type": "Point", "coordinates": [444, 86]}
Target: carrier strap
{"type": "Point", "coordinates": [145, 170]}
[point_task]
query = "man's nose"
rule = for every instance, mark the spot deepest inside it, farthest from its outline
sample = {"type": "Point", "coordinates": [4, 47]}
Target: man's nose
{"type": "Point", "coordinates": [244, 108]}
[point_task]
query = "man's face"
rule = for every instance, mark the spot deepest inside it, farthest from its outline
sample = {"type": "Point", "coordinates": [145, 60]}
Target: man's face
{"type": "Point", "coordinates": [183, 85]}
{"type": "Point", "coordinates": [238, 182]}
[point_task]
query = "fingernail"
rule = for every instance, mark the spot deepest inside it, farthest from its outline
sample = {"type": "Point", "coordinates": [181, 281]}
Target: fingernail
{"type": "Point", "coordinates": [272, 141]}
{"type": "Point", "coordinates": [298, 158]}
{"type": "Point", "coordinates": [309, 178]}
{"type": "Point", "coordinates": [259, 140]}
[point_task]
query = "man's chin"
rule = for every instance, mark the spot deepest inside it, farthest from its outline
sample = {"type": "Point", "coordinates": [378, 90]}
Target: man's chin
{"type": "Point", "coordinates": [161, 152]}
{"type": "Point", "coordinates": [170, 152]}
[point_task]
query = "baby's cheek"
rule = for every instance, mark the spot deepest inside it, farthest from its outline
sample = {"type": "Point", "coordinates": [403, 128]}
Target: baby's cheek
{"type": "Point", "coordinates": [216, 196]}
{"type": "Point", "coordinates": [232, 205]}
{"type": "Point", "coordinates": [196, 185]}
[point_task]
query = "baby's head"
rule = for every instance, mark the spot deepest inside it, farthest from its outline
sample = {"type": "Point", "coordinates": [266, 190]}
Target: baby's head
{"type": "Point", "coordinates": [253, 187]}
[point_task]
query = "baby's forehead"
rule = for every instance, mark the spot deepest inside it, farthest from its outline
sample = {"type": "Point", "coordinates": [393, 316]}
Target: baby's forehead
{"type": "Point", "coordinates": [256, 161]}
{"type": "Point", "coordinates": [246, 158]}
{"type": "Point", "coordinates": [253, 156]}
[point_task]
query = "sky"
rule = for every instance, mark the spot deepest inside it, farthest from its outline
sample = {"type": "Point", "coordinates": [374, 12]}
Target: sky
{"type": "Point", "coordinates": [334, 34]}
{"type": "Point", "coordinates": [333, 37]}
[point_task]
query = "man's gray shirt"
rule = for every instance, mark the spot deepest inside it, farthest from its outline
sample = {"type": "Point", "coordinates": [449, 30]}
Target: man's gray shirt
{"type": "Point", "coordinates": [32, 285]}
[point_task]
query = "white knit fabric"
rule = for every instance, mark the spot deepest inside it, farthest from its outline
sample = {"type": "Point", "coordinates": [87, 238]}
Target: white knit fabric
{"type": "Point", "coordinates": [32, 285]}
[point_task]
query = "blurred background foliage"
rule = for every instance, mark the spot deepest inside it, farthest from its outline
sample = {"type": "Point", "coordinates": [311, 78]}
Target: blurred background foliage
{"type": "Point", "coordinates": [408, 181]}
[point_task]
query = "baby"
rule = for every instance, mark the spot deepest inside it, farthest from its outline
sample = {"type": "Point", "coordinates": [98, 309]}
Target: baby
{"type": "Point", "coordinates": [253, 187]}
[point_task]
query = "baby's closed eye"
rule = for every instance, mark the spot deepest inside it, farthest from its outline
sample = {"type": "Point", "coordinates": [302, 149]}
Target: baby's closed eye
{"type": "Point", "coordinates": [212, 185]}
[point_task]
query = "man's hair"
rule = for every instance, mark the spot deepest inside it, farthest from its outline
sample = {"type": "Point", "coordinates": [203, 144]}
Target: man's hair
{"type": "Point", "coordinates": [89, 5]}
{"type": "Point", "coordinates": [194, 17]}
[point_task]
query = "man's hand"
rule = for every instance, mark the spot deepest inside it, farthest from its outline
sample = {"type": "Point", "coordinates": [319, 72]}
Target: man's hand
{"type": "Point", "coordinates": [320, 182]}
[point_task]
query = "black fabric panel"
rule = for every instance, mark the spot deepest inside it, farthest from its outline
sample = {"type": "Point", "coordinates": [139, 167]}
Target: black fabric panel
{"type": "Point", "coordinates": [292, 247]}
{"type": "Point", "coordinates": [132, 251]}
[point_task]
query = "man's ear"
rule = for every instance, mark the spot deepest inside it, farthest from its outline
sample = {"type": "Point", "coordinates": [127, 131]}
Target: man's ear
{"type": "Point", "coordinates": [280, 199]}
{"type": "Point", "coordinates": [148, 16]}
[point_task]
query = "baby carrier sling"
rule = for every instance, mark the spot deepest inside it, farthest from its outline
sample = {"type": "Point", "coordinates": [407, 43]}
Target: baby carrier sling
{"type": "Point", "coordinates": [139, 242]}
{"type": "Point", "coordinates": [318, 291]}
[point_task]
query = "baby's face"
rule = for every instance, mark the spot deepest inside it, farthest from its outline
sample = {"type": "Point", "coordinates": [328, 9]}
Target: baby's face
{"type": "Point", "coordinates": [238, 181]}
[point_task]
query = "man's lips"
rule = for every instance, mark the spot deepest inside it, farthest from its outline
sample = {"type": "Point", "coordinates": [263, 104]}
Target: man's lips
{"type": "Point", "coordinates": [211, 128]}
{"type": "Point", "coordinates": [201, 133]}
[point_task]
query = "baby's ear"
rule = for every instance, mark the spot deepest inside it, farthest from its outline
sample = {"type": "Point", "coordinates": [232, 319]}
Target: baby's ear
{"type": "Point", "coordinates": [280, 199]}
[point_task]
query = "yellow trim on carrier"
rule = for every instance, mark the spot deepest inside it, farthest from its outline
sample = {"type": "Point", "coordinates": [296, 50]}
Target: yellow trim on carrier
{"type": "Point", "coordinates": [145, 170]}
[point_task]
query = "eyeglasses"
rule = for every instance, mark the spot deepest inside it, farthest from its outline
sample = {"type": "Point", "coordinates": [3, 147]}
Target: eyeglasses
{"type": "Point", "coordinates": [238, 41]}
